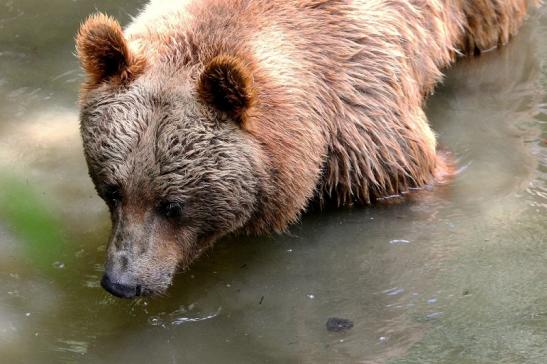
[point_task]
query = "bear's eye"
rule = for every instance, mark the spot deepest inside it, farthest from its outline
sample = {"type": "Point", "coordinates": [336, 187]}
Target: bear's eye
{"type": "Point", "coordinates": [112, 195]}
{"type": "Point", "coordinates": [171, 210]}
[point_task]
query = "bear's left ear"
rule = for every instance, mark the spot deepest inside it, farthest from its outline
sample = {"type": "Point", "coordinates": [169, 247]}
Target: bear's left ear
{"type": "Point", "coordinates": [227, 85]}
{"type": "Point", "coordinates": [104, 53]}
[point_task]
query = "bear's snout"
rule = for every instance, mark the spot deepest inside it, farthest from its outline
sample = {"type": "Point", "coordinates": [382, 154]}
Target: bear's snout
{"type": "Point", "coordinates": [119, 289]}
{"type": "Point", "coordinates": [142, 255]}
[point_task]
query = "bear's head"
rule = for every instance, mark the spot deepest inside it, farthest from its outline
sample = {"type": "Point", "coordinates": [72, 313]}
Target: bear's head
{"type": "Point", "coordinates": [168, 150]}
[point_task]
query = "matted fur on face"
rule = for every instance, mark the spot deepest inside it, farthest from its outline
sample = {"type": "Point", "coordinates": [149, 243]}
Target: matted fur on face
{"type": "Point", "coordinates": [175, 174]}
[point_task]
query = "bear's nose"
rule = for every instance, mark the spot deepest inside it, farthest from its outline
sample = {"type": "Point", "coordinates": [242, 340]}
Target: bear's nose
{"type": "Point", "coordinates": [119, 289]}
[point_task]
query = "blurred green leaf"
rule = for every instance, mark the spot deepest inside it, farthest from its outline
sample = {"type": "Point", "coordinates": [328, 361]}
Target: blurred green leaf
{"type": "Point", "coordinates": [30, 218]}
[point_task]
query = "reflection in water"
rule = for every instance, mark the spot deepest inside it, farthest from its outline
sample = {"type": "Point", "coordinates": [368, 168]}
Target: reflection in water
{"type": "Point", "coordinates": [456, 275]}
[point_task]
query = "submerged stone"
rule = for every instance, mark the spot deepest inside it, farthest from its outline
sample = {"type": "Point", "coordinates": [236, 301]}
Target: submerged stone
{"type": "Point", "coordinates": [335, 324]}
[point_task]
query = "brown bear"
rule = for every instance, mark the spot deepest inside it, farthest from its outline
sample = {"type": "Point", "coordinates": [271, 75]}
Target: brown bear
{"type": "Point", "coordinates": [208, 117]}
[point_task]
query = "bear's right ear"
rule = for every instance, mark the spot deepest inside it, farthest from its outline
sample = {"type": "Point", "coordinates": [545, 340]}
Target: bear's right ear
{"type": "Point", "coordinates": [227, 85]}
{"type": "Point", "coordinates": [103, 51]}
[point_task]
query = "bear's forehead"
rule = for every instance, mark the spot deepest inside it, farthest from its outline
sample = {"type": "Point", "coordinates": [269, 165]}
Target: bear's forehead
{"type": "Point", "coordinates": [131, 114]}
{"type": "Point", "coordinates": [146, 138]}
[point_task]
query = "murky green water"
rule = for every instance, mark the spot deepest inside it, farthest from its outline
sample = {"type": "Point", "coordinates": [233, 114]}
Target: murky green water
{"type": "Point", "coordinates": [459, 276]}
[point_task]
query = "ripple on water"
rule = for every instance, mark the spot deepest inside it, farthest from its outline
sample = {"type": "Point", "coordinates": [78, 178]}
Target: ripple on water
{"type": "Point", "coordinates": [72, 346]}
{"type": "Point", "coordinates": [395, 291]}
{"type": "Point", "coordinates": [399, 242]}
{"type": "Point", "coordinates": [181, 316]}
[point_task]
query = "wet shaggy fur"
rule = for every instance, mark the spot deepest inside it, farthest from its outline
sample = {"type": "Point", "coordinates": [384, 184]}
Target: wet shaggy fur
{"type": "Point", "coordinates": [244, 111]}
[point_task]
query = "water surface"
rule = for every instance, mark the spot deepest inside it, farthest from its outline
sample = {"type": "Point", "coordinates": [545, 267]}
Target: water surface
{"type": "Point", "coordinates": [456, 276]}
